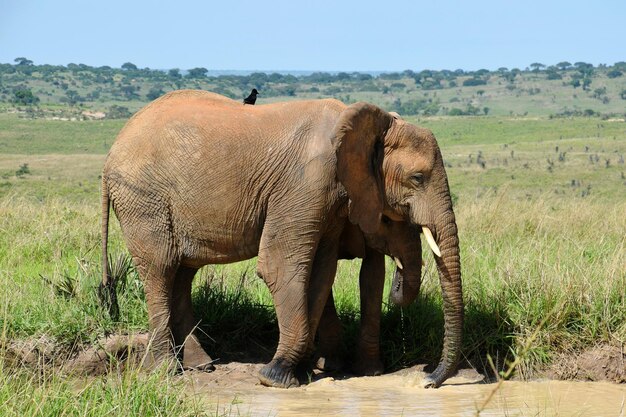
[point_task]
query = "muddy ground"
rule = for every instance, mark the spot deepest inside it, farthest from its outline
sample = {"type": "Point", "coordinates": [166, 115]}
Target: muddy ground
{"type": "Point", "coordinates": [601, 363]}
{"type": "Point", "coordinates": [234, 389]}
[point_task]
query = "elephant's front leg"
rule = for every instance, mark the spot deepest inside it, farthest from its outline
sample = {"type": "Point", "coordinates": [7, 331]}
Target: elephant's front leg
{"type": "Point", "coordinates": [284, 263]}
{"type": "Point", "coordinates": [371, 283]}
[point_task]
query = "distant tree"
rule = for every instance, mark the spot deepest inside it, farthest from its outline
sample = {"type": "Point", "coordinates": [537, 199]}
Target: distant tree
{"type": "Point", "coordinates": [129, 66]}
{"type": "Point", "coordinates": [431, 84]}
{"type": "Point", "coordinates": [563, 65]}
{"type": "Point", "coordinates": [392, 75]}
{"type": "Point", "coordinates": [503, 70]}
{"type": "Point", "coordinates": [23, 96]}
{"type": "Point", "coordinates": [319, 77]}
{"type": "Point", "coordinates": [361, 76]}
{"type": "Point", "coordinates": [614, 73]}
{"type": "Point", "coordinates": [72, 97]}
{"type": "Point", "coordinates": [536, 66]}
{"type": "Point", "coordinates": [584, 68]}
{"type": "Point", "coordinates": [197, 72]}
{"type": "Point", "coordinates": [486, 110]}
{"type": "Point", "coordinates": [21, 61]}
{"type": "Point", "coordinates": [130, 91]}
{"type": "Point", "coordinates": [510, 76]}
{"type": "Point", "coordinates": [622, 94]}
{"type": "Point", "coordinates": [118, 112]}
{"type": "Point", "coordinates": [154, 93]}
{"type": "Point", "coordinates": [552, 73]}
{"type": "Point", "coordinates": [470, 82]}
{"type": "Point", "coordinates": [620, 65]}
{"type": "Point", "coordinates": [174, 73]}
{"type": "Point", "coordinates": [288, 90]}
{"type": "Point", "coordinates": [480, 92]}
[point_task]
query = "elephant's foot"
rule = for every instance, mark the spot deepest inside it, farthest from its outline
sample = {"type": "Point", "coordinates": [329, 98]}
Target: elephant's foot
{"type": "Point", "coordinates": [195, 358]}
{"type": "Point", "coordinates": [368, 365]}
{"type": "Point", "coordinates": [278, 374]}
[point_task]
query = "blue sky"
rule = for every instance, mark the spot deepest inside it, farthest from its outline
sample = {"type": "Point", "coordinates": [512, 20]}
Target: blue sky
{"type": "Point", "coordinates": [313, 35]}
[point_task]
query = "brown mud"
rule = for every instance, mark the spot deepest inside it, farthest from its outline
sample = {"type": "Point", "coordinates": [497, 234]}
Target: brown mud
{"type": "Point", "coordinates": [234, 389]}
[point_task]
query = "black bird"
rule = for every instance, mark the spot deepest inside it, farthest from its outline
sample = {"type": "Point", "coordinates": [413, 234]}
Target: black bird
{"type": "Point", "coordinates": [251, 99]}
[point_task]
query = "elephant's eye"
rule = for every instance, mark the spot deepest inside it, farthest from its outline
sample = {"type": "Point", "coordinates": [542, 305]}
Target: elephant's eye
{"type": "Point", "coordinates": [417, 178]}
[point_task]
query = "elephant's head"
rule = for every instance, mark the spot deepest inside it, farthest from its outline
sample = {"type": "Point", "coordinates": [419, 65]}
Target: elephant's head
{"type": "Point", "coordinates": [392, 169]}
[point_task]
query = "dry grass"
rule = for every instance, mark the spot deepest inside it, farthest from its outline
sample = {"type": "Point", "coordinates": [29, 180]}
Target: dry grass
{"type": "Point", "coordinates": [544, 266]}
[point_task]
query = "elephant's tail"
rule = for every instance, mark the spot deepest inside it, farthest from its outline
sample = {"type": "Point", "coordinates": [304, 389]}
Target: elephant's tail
{"type": "Point", "coordinates": [106, 291]}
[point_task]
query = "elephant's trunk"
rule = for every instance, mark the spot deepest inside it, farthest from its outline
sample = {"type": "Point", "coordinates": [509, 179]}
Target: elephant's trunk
{"type": "Point", "coordinates": [406, 281]}
{"type": "Point", "coordinates": [449, 267]}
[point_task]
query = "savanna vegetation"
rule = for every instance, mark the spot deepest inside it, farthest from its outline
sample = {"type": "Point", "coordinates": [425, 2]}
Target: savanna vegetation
{"type": "Point", "coordinates": [535, 160]}
{"type": "Point", "coordinates": [560, 90]}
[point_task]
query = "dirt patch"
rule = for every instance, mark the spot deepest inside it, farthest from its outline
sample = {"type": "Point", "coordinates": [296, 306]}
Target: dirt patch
{"type": "Point", "coordinates": [117, 351]}
{"type": "Point", "coordinates": [601, 363]}
{"type": "Point", "coordinates": [32, 352]}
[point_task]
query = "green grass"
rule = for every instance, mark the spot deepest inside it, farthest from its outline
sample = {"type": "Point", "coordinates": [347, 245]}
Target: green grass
{"type": "Point", "coordinates": [541, 242]}
{"type": "Point", "coordinates": [23, 393]}
{"type": "Point", "coordinates": [40, 136]}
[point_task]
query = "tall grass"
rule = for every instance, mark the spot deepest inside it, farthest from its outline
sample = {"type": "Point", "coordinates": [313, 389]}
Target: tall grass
{"type": "Point", "coordinates": [535, 249]}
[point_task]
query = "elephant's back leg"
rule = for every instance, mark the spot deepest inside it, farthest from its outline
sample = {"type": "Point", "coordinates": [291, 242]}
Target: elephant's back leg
{"type": "Point", "coordinates": [157, 271]}
{"type": "Point", "coordinates": [329, 332]}
{"type": "Point", "coordinates": [183, 323]}
{"type": "Point", "coordinates": [148, 234]}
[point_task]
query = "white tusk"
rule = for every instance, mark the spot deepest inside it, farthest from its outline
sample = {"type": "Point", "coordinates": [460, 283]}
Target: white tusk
{"type": "Point", "coordinates": [398, 263]}
{"type": "Point", "coordinates": [431, 241]}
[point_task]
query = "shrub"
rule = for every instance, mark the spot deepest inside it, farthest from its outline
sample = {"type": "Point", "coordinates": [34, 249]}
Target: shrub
{"type": "Point", "coordinates": [471, 82]}
{"type": "Point", "coordinates": [23, 170]}
{"type": "Point", "coordinates": [24, 96]}
{"type": "Point", "coordinates": [614, 73]}
{"type": "Point", "coordinates": [118, 112]}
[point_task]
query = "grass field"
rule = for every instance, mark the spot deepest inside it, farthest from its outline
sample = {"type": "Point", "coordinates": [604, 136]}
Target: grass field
{"type": "Point", "coordinates": [541, 210]}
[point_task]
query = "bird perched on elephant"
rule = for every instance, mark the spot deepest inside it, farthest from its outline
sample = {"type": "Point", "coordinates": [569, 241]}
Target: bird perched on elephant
{"type": "Point", "coordinates": [251, 99]}
{"type": "Point", "coordinates": [195, 178]}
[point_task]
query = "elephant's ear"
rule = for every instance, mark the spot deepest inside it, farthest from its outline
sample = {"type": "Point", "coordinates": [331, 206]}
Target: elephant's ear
{"type": "Point", "coordinates": [358, 138]}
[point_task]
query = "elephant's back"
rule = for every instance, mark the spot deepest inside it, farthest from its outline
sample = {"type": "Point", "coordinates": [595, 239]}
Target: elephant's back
{"type": "Point", "coordinates": [188, 128]}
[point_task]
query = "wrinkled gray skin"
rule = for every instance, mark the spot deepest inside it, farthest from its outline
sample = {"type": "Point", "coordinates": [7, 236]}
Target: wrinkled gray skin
{"type": "Point", "coordinates": [398, 240]}
{"type": "Point", "coordinates": [195, 178]}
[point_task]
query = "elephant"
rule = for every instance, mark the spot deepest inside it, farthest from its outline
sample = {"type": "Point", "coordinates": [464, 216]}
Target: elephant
{"type": "Point", "coordinates": [400, 241]}
{"type": "Point", "coordinates": [195, 178]}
